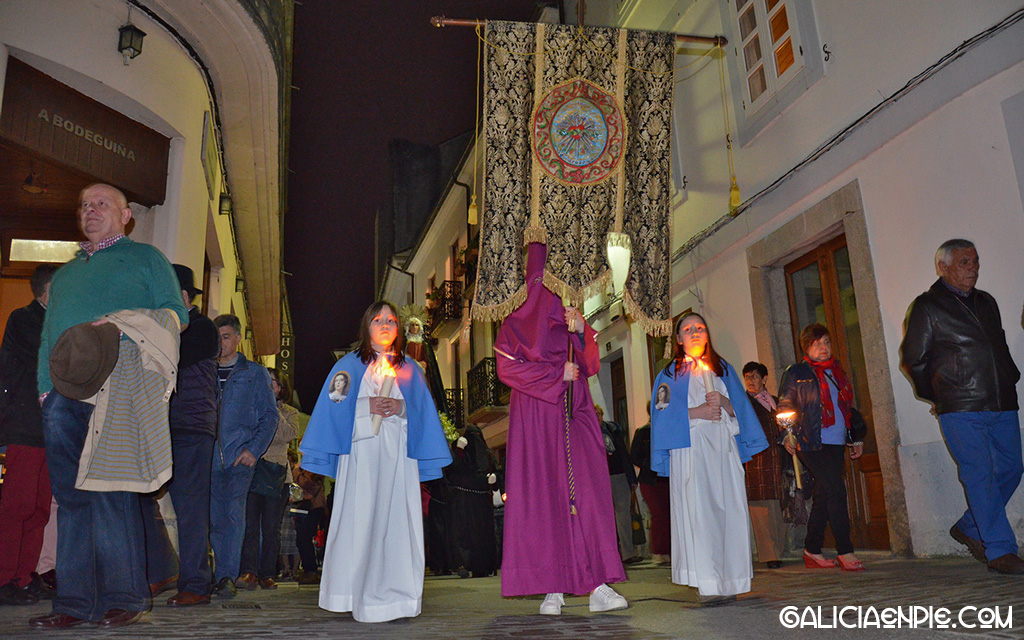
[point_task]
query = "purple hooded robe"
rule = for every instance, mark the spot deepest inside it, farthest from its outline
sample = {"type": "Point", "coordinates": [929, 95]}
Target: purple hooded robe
{"type": "Point", "coordinates": [546, 548]}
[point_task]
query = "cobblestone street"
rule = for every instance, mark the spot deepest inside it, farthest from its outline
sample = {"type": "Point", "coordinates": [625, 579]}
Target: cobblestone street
{"type": "Point", "coordinates": [472, 608]}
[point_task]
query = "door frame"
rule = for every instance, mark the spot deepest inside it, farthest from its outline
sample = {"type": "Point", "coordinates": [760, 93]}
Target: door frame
{"type": "Point", "coordinates": [863, 476]}
{"type": "Point", "coordinates": [841, 212]}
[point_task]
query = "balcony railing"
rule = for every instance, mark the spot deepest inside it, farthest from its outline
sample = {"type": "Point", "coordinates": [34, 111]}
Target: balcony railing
{"type": "Point", "coordinates": [447, 311]}
{"type": "Point", "coordinates": [455, 407]}
{"type": "Point", "coordinates": [487, 396]}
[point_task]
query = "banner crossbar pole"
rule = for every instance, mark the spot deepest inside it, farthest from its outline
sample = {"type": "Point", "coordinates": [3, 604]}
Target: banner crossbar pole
{"type": "Point", "coordinates": [681, 38]}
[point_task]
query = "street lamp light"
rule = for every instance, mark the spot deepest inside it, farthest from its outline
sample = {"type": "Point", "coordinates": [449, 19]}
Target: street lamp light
{"type": "Point", "coordinates": [129, 39]}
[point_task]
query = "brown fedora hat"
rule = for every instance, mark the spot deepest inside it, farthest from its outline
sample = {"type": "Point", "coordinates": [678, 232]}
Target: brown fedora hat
{"type": "Point", "coordinates": [83, 358]}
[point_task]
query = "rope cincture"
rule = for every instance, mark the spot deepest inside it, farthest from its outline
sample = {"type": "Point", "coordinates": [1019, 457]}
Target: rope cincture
{"type": "Point", "coordinates": [568, 457]}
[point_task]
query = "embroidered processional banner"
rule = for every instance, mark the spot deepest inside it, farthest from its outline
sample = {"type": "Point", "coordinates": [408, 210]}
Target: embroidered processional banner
{"type": "Point", "coordinates": [577, 128]}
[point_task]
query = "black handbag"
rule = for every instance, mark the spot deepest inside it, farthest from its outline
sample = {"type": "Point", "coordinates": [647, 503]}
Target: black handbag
{"type": "Point", "coordinates": [639, 537]}
{"type": "Point", "coordinates": [858, 428]}
{"type": "Point", "coordinates": [268, 479]}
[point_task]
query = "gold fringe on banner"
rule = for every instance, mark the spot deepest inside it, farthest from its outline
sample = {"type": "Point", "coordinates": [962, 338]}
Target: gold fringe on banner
{"type": "Point", "coordinates": [648, 325]}
{"type": "Point", "coordinates": [535, 234]}
{"type": "Point", "coordinates": [495, 312]}
{"type": "Point", "coordinates": [577, 297]}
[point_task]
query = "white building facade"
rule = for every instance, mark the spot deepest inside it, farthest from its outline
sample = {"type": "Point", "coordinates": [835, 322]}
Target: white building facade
{"type": "Point", "coordinates": [208, 84]}
{"type": "Point", "coordinates": [863, 135]}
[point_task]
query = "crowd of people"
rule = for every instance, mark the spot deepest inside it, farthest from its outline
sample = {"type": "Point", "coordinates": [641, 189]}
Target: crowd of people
{"type": "Point", "coordinates": [122, 402]}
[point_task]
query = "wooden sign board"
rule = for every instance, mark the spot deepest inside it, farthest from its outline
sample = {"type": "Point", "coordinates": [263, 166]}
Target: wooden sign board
{"type": "Point", "coordinates": [52, 119]}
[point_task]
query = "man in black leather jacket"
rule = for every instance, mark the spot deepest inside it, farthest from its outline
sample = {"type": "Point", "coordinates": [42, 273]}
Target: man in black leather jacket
{"type": "Point", "coordinates": [955, 352]}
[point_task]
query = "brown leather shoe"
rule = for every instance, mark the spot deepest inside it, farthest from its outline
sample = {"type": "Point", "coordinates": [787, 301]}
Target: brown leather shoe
{"type": "Point", "coordinates": [268, 583]}
{"type": "Point", "coordinates": [976, 547]}
{"type": "Point", "coordinates": [309, 578]}
{"type": "Point", "coordinates": [187, 599]}
{"type": "Point", "coordinates": [247, 580]}
{"type": "Point", "coordinates": [55, 621]}
{"type": "Point", "coordinates": [157, 588]}
{"type": "Point", "coordinates": [118, 618]}
{"type": "Point", "coordinates": [1007, 564]}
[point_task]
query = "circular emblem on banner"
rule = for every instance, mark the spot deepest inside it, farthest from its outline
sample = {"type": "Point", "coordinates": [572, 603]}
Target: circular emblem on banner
{"type": "Point", "coordinates": [578, 133]}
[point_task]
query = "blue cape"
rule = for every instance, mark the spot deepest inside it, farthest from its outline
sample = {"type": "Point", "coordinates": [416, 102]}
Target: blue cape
{"type": "Point", "coordinates": [670, 427]}
{"type": "Point", "coordinates": [329, 433]}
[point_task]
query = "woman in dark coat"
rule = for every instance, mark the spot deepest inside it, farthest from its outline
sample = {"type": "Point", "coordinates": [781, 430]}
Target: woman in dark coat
{"type": "Point", "coordinates": [827, 425]}
{"type": "Point", "coordinates": [470, 506]}
{"type": "Point", "coordinates": [655, 491]}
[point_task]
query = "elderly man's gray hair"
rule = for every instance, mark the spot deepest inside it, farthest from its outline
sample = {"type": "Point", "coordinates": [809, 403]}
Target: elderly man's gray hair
{"type": "Point", "coordinates": [946, 249]}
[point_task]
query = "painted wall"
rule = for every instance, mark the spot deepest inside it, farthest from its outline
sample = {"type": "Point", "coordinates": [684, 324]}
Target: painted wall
{"type": "Point", "coordinates": [163, 89]}
{"type": "Point", "coordinates": [939, 165]}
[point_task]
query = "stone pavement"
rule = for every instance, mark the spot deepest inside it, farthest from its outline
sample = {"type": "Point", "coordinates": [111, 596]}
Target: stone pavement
{"type": "Point", "coordinates": [473, 608]}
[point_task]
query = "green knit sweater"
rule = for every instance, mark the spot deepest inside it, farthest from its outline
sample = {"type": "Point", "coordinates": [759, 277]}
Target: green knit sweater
{"type": "Point", "coordinates": [125, 275]}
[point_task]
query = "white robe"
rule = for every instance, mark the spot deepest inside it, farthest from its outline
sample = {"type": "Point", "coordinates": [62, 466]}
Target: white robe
{"type": "Point", "coordinates": [710, 523]}
{"type": "Point", "coordinates": [374, 559]}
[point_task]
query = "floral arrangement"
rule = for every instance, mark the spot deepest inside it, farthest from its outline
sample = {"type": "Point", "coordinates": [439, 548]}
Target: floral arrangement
{"type": "Point", "coordinates": [449, 428]}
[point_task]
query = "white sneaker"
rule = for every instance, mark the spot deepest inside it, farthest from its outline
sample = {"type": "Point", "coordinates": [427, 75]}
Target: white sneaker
{"type": "Point", "coordinates": [604, 598]}
{"type": "Point", "coordinates": [552, 605]}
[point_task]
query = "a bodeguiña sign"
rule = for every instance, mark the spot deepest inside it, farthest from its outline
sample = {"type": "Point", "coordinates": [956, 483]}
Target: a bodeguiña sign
{"type": "Point", "coordinates": [52, 119]}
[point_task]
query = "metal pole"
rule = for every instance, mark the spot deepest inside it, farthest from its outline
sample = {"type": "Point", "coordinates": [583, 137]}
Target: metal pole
{"type": "Point", "coordinates": [715, 41]}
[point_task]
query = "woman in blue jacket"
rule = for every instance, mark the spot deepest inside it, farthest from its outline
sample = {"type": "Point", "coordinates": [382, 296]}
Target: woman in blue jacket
{"type": "Point", "coordinates": [700, 440]}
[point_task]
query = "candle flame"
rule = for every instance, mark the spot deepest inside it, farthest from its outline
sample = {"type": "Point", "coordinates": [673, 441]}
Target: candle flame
{"type": "Point", "coordinates": [384, 368]}
{"type": "Point", "coordinates": [785, 415]}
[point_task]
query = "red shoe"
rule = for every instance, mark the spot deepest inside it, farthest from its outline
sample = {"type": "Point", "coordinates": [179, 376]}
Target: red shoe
{"type": "Point", "coordinates": [813, 563]}
{"type": "Point", "coordinates": [852, 565]}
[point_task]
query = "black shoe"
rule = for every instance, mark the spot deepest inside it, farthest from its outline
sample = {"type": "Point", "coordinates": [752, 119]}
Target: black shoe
{"type": "Point", "coordinates": [40, 589]}
{"type": "Point", "coordinates": [11, 593]}
{"type": "Point", "coordinates": [225, 588]}
{"type": "Point", "coordinates": [49, 578]}
{"type": "Point", "coordinates": [774, 564]}
{"type": "Point", "coordinates": [976, 547]}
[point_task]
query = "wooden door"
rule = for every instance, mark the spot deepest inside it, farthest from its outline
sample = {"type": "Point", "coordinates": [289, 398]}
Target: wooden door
{"type": "Point", "coordinates": [820, 287]}
{"type": "Point", "coordinates": [14, 294]}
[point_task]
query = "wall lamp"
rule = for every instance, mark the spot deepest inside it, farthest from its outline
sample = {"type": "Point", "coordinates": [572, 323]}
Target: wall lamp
{"type": "Point", "coordinates": [129, 39]}
{"type": "Point", "coordinates": [248, 334]}
{"type": "Point", "coordinates": [226, 205]}
{"type": "Point", "coordinates": [239, 285]}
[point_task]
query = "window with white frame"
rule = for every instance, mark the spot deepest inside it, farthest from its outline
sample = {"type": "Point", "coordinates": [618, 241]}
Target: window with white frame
{"type": "Point", "coordinates": [775, 43]}
{"type": "Point", "coordinates": [769, 44]}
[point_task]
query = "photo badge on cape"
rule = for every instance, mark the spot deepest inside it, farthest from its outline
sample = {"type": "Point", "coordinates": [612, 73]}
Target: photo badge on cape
{"type": "Point", "coordinates": [663, 398]}
{"type": "Point", "coordinates": [340, 384]}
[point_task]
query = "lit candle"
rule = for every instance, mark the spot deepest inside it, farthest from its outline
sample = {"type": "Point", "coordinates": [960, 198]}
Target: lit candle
{"type": "Point", "coordinates": [385, 370]}
{"type": "Point", "coordinates": [787, 420]}
{"type": "Point", "coordinates": [709, 382]}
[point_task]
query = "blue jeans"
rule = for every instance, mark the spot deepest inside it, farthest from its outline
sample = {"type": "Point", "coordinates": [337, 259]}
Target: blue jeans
{"type": "Point", "coordinates": [228, 491]}
{"type": "Point", "coordinates": [190, 493]}
{"type": "Point", "coordinates": [987, 450]}
{"type": "Point", "coordinates": [101, 557]}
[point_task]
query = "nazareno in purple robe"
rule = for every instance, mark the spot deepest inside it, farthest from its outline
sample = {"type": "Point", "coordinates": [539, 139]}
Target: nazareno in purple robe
{"type": "Point", "coordinates": [546, 548]}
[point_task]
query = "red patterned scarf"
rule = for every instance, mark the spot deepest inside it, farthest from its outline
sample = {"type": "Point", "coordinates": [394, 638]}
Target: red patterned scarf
{"type": "Point", "coordinates": [831, 369]}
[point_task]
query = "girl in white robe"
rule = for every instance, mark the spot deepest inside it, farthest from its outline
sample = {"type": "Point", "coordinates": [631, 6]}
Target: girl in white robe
{"type": "Point", "coordinates": [374, 559]}
{"type": "Point", "coordinates": [700, 439]}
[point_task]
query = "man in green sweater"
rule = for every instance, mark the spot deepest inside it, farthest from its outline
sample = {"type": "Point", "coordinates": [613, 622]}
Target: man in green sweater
{"type": "Point", "coordinates": [101, 558]}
